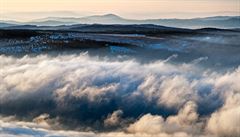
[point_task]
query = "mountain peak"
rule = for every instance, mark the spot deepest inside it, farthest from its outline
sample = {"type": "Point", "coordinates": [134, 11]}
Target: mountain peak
{"type": "Point", "coordinates": [110, 16]}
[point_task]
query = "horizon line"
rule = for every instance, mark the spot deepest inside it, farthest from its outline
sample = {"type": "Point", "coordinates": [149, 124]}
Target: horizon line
{"type": "Point", "coordinates": [114, 14]}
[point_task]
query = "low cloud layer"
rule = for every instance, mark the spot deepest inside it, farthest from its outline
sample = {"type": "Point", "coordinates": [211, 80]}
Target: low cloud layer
{"type": "Point", "coordinates": [79, 95]}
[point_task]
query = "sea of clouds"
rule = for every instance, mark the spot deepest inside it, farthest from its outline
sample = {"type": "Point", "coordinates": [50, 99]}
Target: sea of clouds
{"type": "Point", "coordinates": [80, 95]}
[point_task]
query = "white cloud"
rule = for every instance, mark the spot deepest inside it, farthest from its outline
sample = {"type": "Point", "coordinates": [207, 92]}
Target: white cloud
{"type": "Point", "coordinates": [186, 121]}
{"type": "Point", "coordinates": [225, 122]}
{"type": "Point", "coordinates": [124, 89]}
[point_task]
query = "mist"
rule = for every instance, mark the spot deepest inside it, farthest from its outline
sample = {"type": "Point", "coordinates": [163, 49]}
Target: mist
{"type": "Point", "coordinates": [83, 95]}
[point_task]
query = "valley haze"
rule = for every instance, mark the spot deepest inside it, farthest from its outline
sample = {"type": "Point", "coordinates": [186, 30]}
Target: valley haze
{"type": "Point", "coordinates": [214, 21]}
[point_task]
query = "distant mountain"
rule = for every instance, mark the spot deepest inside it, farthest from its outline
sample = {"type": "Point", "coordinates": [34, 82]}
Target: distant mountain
{"type": "Point", "coordinates": [213, 22]}
{"type": "Point", "coordinates": [216, 22]}
{"type": "Point", "coordinates": [99, 19]}
{"type": "Point", "coordinates": [125, 29]}
{"type": "Point", "coordinates": [104, 19]}
{"type": "Point", "coordinates": [5, 25]}
{"type": "Point", "coordinates": [50, 23]}
{"type": "Point", "coordinates": [8, 23]}
{"type": "Point", "coordinates": [100, 28]}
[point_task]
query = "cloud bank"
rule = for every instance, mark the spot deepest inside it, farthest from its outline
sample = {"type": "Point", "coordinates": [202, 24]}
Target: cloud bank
{"type": "Point", "coordinates": [79, 95]}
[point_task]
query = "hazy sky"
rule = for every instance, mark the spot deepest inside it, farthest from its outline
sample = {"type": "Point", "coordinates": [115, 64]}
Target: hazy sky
{"type": "Point", "coordinates": [126, 8]}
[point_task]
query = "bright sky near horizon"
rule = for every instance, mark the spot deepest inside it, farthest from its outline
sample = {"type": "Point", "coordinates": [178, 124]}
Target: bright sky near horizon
{"type": "Point", "coordinates": [126, 8]}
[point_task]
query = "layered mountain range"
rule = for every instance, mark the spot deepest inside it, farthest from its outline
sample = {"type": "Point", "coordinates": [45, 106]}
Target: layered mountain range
{"type": "Point", "coordinates": [225, 22]}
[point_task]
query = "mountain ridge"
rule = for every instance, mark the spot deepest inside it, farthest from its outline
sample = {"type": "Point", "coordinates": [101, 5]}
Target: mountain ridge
{"type": "Point", "coordinates": [214, 21]}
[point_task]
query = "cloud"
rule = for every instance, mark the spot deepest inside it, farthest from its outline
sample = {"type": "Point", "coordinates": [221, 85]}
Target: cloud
{"type": "Point", "coordinates": [50, 95]}
{"type": "Point", "coordinates": [171, 91]}
{"type": "Point", "coordinates": [186, 121]}
{"type": "Point", "coordinates": [225, 122]}
{"type": "Point", "coordinates": [12, 129]}
{"type": "Point", "coordinates": [114, 119]}
{"type": "Point", "coordinates": [29, 129]}
{"type": "Point", "coordinates": [148, 124]}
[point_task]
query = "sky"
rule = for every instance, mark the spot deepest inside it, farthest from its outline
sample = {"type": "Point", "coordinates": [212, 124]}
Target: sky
{"type": "Point", "coordinates": [138, 9]}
